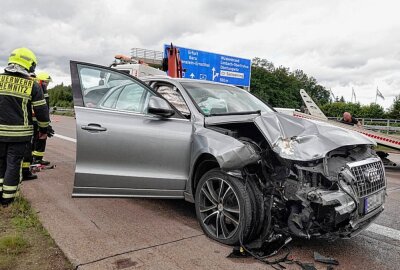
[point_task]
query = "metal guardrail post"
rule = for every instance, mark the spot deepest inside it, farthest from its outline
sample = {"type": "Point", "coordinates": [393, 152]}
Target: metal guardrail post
{"type": "Point", "coordinates": [388, 126]}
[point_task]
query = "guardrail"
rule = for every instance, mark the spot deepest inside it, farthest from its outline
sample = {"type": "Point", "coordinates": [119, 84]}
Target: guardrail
{"type": "Point", "coordinates": [61, 110]}
{"type": "Point", "coordinates": [382, 125]}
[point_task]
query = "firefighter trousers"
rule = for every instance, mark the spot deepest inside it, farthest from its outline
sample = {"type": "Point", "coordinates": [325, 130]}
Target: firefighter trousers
{"type": "Point", "coordinates": [28, 159]}
{"type": "Point", "coordinates": [38, 145]}
{"type": "Point", "coordinates": [11, 155]}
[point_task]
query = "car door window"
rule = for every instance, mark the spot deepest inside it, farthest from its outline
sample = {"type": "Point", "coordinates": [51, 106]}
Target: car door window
{"type": "Point", "coordinates": [108, 89]}
{"type": "Point", "coordinates": [133, 98]}
{"type": "Point", "coordinates": [97, 82]}
{"type": "Point", "coordinates": [109, 101]}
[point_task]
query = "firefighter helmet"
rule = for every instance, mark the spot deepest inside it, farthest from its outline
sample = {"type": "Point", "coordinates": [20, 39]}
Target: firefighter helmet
{"type": "Point", "coordinates": [23, 57]}
{"type": "Point", "coordinates": [43, 76]}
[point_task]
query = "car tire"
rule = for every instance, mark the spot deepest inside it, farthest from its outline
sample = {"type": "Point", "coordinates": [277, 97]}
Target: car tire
{"type": "Point", "coordinates": [258, 212]}
{"type": "Point", "coordinates": [224, 207]}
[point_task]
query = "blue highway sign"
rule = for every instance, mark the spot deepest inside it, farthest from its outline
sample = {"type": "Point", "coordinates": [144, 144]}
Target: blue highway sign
{"type": "Point", "coordinates": [208, 66]}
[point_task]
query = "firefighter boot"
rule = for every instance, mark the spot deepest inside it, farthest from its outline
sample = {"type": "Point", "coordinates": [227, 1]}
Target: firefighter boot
{"type": "Point", "coordinates": [41, 162]}
{"type": "Point", "coordinates": [28, 175]}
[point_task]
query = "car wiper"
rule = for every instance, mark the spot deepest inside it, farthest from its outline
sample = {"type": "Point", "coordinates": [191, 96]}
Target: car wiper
{"type": "Point", "coordinates": [236, 113]}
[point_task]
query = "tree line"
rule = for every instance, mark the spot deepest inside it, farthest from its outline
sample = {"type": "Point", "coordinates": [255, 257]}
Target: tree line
{"type": "Point", "coordinates": [61, 96]}
{"type": "Point", "coordinates": [279, 87]}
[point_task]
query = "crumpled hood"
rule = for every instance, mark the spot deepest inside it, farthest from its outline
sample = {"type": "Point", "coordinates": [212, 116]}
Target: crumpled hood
{"type": "Point", "coordinates": [302, 139]}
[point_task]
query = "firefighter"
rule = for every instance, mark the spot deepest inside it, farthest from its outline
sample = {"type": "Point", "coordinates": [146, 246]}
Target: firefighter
{"type": "Point", "coordinates": [39, 145]}
{"type": "Point", "coordinates": [28, 158]}
{"type": "Point", "coordinates": [19, 94]}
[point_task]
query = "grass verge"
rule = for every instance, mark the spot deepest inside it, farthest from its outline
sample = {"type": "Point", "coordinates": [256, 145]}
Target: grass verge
{"type": "Point", "coordinates": [24, 243]}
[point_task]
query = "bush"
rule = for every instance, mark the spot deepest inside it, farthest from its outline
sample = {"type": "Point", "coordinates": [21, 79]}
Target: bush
{"type": "Point", "coordinates": [336, 109]}
{"type": "Point", "coordinates": [61, 96]}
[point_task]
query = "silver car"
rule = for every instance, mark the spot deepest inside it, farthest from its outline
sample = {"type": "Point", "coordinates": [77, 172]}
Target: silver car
{"type": "Point", "coordinates": [253, 174]}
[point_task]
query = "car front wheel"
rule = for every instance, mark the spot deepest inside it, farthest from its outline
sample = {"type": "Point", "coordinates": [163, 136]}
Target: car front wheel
{"type": "Point", "coordinates": [223, 207]}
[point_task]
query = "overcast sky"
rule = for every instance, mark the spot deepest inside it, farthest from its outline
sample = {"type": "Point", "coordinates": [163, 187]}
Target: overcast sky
{"type": "Point", "coordinates": [342, 43]}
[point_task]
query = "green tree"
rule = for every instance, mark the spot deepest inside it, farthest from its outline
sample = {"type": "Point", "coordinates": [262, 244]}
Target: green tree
{"type": "Point", "coordinates": [394, 111]}
{"type": "Point", "coordinates": [337, 109]}
{"type": "Point", "coordinates": [61, 96]}
{"type": "Point", "coordinates": [280, 87]}
{"type": "Point", "coordinates": [371, 111]}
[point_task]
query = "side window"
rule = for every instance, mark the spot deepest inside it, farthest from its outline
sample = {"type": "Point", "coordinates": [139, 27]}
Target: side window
{"type": "Point", "coordinates": [171, 93]}
{"type": "Point", "coordinates": [97, 82]}
{"type": "Point", "coordinates": [133, 98]}
{"type": "Point", "coordinates": [109, 102]}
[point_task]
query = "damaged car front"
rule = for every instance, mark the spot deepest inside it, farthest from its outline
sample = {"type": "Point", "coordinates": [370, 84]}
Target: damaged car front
{"type": "Point", "coordinates": [335, 183]}
{"type": "Point", "coordinates": [268, 176]}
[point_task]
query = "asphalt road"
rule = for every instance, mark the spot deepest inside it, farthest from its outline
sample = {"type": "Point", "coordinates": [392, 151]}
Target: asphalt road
{"type": "Point", "coordinates": [104, 233]}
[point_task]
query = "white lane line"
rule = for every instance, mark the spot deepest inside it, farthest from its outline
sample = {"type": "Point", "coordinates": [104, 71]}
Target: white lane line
{"type": "Point", "coordinates": [65, 138]}
{"type": "Point", "coordinates": [384, 231]}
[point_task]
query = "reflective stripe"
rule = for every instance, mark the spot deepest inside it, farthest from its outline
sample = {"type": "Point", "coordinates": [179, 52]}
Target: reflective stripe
{"type": "Point", "coordinates": [1, 184]}
{"type": "Point", "coordinates": [25, 110]}
{"type": "Point", "coordinates": [10, 188]}
{"type": "Point", "coordinates": [9, 195]}
{"type": "Point", "coordinates": [16, 127]}
{"type": "Point", "coordinates": [26, 164]}
{"type": "Point", "coordinates": [43, 124]}
{"type": "Point", "coordinates": [20, 172]}
{"type": "Point", "coordinates": [16, 133]}
{"type": "Point", "coordinates": [26, 58]}
{"type": "Point", "coordinates": [46, 95]}
{"type": "Point", "coordinates": [39, 103]}
{"type": "Point", "coordinates": [15, 95]}
{"type": "Point", "coordinates": [37, 153]}
{"type": "Point", "coordinates": [1, 180]}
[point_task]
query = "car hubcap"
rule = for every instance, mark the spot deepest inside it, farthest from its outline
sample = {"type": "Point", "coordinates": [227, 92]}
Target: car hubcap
{"type": "Point", "coordinates": [219, 208]}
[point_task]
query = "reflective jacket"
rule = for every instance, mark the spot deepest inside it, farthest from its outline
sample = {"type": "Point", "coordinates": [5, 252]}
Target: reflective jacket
{"type": "Point", "coordinates": [18, 96]}
{"type": "Point", "coordinates": [45, 93]}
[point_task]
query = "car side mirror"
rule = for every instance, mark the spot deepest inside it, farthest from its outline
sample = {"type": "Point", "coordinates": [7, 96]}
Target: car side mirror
{"type": "Point", "coordinates": [159, 106]}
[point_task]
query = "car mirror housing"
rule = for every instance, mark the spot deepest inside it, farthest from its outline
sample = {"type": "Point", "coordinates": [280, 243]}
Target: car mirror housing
{"type": "Point", "coordinates": [159, 106]}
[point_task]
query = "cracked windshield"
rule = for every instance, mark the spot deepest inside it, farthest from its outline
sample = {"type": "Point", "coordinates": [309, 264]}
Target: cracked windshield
{"type": "Point", "coordinates": [214, 99]}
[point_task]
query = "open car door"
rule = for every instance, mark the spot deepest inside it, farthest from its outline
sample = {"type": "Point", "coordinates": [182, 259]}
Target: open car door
{"type": "Point", "coordinates": [122, 149]}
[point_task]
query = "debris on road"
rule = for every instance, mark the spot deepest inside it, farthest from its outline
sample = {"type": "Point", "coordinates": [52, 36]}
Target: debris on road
{"type": "Point", "coordinates": [307, 266]}
{"type": "Point", "coordinates": [320, 258]}
{"type": "Point", "coordinates": [40, 167]}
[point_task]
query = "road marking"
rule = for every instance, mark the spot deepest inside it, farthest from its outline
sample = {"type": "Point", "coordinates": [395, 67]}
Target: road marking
{"type": "Point", "coordinates": [65, 138]}
{"type": "Point", "coordinates": [384, 231]}
{"type": "Point", "coordinates": [393, 189]}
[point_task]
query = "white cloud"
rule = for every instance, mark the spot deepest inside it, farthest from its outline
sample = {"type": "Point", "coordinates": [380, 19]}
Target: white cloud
{"type": "Point", "coordinates": [342, 44]}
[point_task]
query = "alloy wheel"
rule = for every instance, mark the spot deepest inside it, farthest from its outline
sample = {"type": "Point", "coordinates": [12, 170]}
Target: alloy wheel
{"type": "Point", "coordinates": [219, 208]}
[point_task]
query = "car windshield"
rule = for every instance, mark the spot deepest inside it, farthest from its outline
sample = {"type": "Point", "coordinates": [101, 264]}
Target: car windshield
{"type": "Point", "coordinates": [214, 99]}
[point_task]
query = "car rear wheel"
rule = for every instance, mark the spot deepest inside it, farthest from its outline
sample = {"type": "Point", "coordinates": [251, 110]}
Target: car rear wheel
{"type": "Point", "coordinates": [223, 207]}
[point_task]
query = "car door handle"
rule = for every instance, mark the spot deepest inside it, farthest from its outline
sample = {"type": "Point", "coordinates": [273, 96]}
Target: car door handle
{"type": "Point", "coordinates": [93, 127]}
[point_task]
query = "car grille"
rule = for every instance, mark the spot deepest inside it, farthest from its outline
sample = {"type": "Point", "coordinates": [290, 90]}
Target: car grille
{"type": "Point", "coordinates": [369, 177]}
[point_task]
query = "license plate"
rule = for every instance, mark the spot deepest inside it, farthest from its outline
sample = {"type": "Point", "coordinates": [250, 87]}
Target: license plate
{"type": "Point", "coordinates": [372, 202]}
